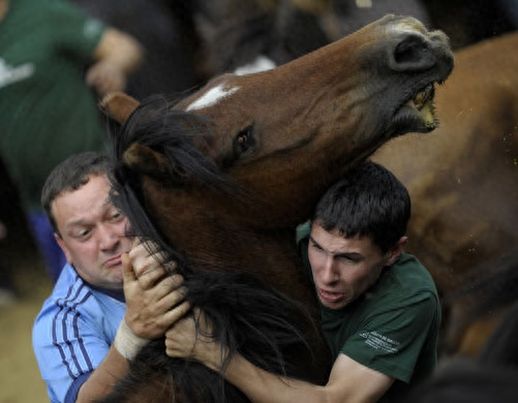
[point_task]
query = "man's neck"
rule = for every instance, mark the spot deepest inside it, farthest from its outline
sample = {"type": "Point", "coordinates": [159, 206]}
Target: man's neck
{"type": "Point", "coordinates": [117, 294]}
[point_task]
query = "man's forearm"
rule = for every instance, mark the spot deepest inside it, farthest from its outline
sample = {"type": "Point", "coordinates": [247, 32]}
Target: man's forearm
{"type": "Point", "coordinates": [261, 386]}
{"type": "Point", "coordinates": [349, 381]}
{"type": "Point", "coordinates": [120, 50]}
{"type": "Point", "coordinates": [183, 340]}
{"type": "Point", "coordinates": [113, 368]}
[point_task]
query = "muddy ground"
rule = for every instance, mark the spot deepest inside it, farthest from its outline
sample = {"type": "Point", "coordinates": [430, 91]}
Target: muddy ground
{"type": "Point", "coordinates": [20, 380]}
{"type": "Point", "coordinates": [20, 264]}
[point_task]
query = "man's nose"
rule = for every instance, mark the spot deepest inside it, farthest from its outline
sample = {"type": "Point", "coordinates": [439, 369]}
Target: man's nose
{"type": "Point", "coordinates": [329, 274]}
{"type": "Point", "coordinates": [108, 238]}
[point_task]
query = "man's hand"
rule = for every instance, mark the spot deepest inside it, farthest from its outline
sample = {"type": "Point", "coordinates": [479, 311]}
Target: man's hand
{"type": "Point", "coordinates": [155, 300]}
{"type": "Point", "coordinates": [116, 56]}
{"type": "Point", "coordinates": [106, 77]}
{"type": "Point", "coordinates": [183, 341]}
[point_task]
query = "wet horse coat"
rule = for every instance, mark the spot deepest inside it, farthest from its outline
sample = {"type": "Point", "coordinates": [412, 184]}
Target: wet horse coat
{"type": "Point", "coordinates": [223, 187]}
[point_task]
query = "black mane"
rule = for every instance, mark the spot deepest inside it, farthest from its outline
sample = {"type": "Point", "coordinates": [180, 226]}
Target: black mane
{"type": "Point", "coordinates": [155, 124]}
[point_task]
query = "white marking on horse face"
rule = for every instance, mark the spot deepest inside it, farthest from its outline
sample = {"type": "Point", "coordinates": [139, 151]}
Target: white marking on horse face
{"type": "Point", "coordinates": [364, 3]}
{"type": "Point", "coordinates": [261, 63]}
{"type": "Point", "coordinates": [408, 27]}
{"type": "Point", "coordinates": [212, 97]}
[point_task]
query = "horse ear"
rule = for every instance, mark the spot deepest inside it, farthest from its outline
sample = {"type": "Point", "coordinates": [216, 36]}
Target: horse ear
{"type": "Point", "coordinates": [119, 106]}
{"type": "Point", "coordinates": [144, 160]}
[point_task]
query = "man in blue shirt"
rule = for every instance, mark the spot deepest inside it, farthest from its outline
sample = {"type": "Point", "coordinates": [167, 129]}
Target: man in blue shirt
{"type": "Point", "coordinates": [111, 298]}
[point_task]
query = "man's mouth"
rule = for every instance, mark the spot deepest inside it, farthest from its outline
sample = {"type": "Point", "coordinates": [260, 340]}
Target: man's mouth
{"type": "Point", "coordinates": [113, 262]}
{"type": "Point", "coordinates": [330, 296]}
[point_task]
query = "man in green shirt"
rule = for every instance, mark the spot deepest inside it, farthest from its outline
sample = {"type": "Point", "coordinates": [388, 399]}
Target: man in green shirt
{"type": "Point", "coordinates": [51, 58]}
{"type": "Point", "coordinates": [379, 306]}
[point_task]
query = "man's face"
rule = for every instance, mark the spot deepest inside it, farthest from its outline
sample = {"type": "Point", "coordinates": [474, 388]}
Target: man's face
{"type": "Point", "coordinates": [343, 268]}
{"type": "Point", "coordinates": [91, 232]}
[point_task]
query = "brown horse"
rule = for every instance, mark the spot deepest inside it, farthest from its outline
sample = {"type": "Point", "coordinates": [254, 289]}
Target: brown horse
{"type": "Point", "coordinates": [223, 179]}
{"type": "Point", "coordinates": [463, 179]}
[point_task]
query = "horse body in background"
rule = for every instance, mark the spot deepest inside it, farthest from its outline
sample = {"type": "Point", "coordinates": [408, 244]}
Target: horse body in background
{"type": "Point", "coordinates": [256, 153]}
{"type": "Point", "coordinates": [463, 180]}
{"type": "Point", "coordinates": [237, 33]}
{"type": "Point", "coordinates": [247, 33]}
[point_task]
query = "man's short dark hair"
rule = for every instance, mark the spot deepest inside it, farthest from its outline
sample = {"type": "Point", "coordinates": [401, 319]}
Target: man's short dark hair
{"type": "Point", "coordinates": [368, 201]}
{"type": "Point", "coordinates": [70, 175]}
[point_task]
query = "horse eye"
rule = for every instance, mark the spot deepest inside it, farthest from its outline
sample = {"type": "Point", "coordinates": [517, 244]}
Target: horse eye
{"type": "Point", "coordinates": [244, 141]}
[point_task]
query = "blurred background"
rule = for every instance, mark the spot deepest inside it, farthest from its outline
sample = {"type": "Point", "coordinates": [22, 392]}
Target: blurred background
{"type": "Point", "coordinates": [186, 43]}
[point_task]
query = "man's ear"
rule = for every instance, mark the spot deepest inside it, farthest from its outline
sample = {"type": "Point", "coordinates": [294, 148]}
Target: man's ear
{"type": "Point", "coordinates": [63, 247]}
{"type": "Point", "coordinates": [394, 253]}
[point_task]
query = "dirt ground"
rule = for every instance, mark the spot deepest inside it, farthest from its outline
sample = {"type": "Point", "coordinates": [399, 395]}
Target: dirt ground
{"type": "Point", "coordinates": [20, 380]}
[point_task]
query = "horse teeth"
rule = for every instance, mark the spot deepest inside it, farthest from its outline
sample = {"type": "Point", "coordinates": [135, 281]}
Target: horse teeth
{"type": "Point", "coordinates": [419, 100]}
{"type": "Point", "coordinates": [424, 96]}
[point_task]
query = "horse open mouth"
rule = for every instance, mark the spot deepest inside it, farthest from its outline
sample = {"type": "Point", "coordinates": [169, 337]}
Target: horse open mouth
{"type": "Point", "coordinates": [425, 107]}
{"type": "Point", "coordinates": [418, 113]}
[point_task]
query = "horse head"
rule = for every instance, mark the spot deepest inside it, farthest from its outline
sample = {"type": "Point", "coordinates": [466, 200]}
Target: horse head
{"type": "Point", "coordinates": [285, 134]}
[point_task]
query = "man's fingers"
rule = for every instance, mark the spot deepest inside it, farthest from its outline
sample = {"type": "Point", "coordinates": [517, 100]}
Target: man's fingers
{"type": "Point", "coordinates": [171, 266]}
{"type": "Point", "coordinates": [151, 276]}
{"type": "Point", "coordinates": [136, 241]}
{"type": "Point", "coordinates": [145, 256]}
{"type": "Point", "coordinates": [127, 268]}
{"type": "Point", "coordinates": [179, 340]}
{"type": "Point", "coordinates": [146, 248]}
{"type": "Point", "coordinates": [172, 298]}
{"type": "Point", "coordinates": [167, 285]}
{"type": "Point", "coordinates": [175, 314]}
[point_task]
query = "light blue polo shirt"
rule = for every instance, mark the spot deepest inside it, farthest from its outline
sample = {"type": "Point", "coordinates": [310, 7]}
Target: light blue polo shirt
{"type": "Point", "coordinates": [73, 333]}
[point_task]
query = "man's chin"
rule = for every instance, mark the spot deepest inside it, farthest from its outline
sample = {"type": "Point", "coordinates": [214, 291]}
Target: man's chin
{"type": "Point", "coordinates": [114, 277]}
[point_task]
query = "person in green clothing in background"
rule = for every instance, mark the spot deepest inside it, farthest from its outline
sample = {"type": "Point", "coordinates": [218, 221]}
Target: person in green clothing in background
{"type": "Point", "coordinates": [380, 311]}
{"type": "Point", "coordinates": [48, 106]}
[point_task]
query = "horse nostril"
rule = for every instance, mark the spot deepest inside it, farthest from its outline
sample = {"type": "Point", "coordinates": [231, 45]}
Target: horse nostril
{"type": "Point", "coordinates": [413, 53]}
{"type": "Point", "coordinates": [409, 50]}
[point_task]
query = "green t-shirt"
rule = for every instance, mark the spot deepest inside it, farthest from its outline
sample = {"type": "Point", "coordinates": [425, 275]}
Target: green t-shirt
{"type": "Point", "coordinates": [393, 328]}
{"type": "Point", "coordinates": [46, 110]}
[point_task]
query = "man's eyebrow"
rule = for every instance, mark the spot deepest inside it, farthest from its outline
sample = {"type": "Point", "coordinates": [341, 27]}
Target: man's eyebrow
{"type": "Point", "coordinates": [351, 255]}
{"type": "Point", "coordinates": [77, 223]}
{"type": "Point", "coordinates": [313, 240]}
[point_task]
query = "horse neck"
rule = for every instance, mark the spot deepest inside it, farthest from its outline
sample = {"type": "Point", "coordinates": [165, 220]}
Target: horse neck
{"type": "Point", "coordinates": [215, 237]}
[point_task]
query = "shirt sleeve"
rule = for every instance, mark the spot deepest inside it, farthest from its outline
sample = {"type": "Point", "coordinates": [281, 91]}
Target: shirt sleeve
{"type": "Point", "coordinates": [391, 339]}
{"type": "Point", "coordinates": [68, 347]}
{"type": "Point", "coordinates": [302, 237]}
{"type": "Point", "coordinates": [76, 33]}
